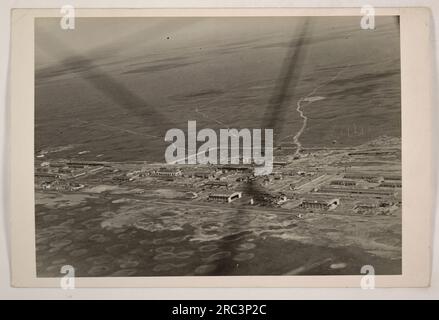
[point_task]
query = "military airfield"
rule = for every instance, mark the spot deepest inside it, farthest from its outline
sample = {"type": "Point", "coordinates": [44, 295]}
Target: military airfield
{"type": "Point", "coordinates": [329, 210]}
{"type": "Point", "coordinates": [108, 204]}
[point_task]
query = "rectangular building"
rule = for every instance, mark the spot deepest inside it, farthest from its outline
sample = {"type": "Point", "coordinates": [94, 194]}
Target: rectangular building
{"type": "Point", "coordinates": [343, 182]}
{"type": "Point", "coordinates": [226, 197]}
{"type": "Point", "coordinates": [319, 204]}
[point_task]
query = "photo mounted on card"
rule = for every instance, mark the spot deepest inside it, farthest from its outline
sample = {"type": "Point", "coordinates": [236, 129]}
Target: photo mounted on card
{"type": "Point", "coordinates": [221, 147]}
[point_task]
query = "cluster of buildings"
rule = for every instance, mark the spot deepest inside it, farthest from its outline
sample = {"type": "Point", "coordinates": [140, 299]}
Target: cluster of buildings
{"type": "Point", "coordinates": [309, 190]}
{"type": "Point", "coordinates": [215, 183]}
{"type": "Point", "coordinates": [58, 175]}
{"type": "Point", "coordinates": [378, 193]}
{"type": "Point", "coordinates": [375, 208]}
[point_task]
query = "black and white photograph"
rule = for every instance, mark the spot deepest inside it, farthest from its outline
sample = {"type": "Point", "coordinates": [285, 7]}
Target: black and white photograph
{"type": "Point", "coordinates": [217, 146]}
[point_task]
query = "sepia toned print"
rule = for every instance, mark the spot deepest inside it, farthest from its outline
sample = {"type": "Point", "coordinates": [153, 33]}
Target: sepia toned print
{"type": "Point", "coordinates": [107, 93]}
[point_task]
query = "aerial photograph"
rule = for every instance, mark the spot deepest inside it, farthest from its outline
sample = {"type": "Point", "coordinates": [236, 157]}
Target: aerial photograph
{"type": "Point", "coordinates": [318, 99]}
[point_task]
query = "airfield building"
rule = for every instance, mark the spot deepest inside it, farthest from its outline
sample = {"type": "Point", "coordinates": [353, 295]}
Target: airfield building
{"type": "Point", "coordinates": [48, 175]}
{"type": "Point", "coordinates": [392, 184]}
{"type": "Point", "coordinates": [349, 183]}
{"type": "Point", "coordinates": [86, 164]}
{"type": "Point", "coordinates": [166, 173]}
{"type": "Point", "coordinates": [320, 204]}
{"type": "Point", "coordinates": [365, 177]}
{"type": "Point", "coordinates": [392, 178]}
{"type": "Point", "coordinates": [226, 197]}
{"type": "Point", "coordinates": [217, 183]}
{"type": "Point", "coordinates": [365, 207]}
{"type": "Point", "coordinates": [378, 193]}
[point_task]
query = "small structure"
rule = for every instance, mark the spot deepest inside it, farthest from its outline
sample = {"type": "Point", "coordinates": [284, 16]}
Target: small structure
{"type": "Point", "coordinates": [76, 166]}
{"type": "Point", "coordinates": [392, 184]}
{"type": "Point", "coordinates": [282, 199]}
{"type": "Point", "coordinates": [191, 195]}
{"type": "Point", "coordinates": [76, 186]}
{"type": "Point", "coordinates": [48, 175]}
{"type": "Point", "coordinates": [349, 183]}
{"type": "Point", "coordinates": [204, 174]}
{"type": "Point", "coordinates": [166, 173]}
{"type": "Point", "coordinates": [365, 177]}
{"type": "Point", "coordinates": [46, 185]}
{"type": "Point", "coordinates": [377, 193]}
{"type": "Point", "coordinates": [392, 178]}
{"type": "Point", "coordinates": [79, 174]}
{"type": "Point", "coordinates": [320, 204]}
{"type": "Point", "coordinates": [87, 164]}
{"type": "Point", "coordinates": [364, 208]}
{"type": "Point", "coordinates": [56, 164]}
{"type": "Point", "coordinates": [65, 170]}
{"type": "Point", "coordinates": [232, 167]}
{"type": "Point", "coordinates": [226, 197]}
{"type": "Point", "coordinates": [304, 173]}
{"type": "Point", "coordinates": [216, 183]}
{"type": "Point", "coordinates": [372, 152]}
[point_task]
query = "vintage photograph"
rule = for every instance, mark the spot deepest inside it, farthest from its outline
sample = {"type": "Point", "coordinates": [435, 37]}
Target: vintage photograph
{"type": "Point", "coordinates": [217, 146]}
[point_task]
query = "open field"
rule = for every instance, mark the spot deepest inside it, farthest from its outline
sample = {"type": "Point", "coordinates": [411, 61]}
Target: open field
{"type": "Point", "coordinates": [101, 238]}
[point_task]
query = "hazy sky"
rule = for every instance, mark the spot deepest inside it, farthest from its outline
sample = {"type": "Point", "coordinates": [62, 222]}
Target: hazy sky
{"type": "Point", "coordinates": [131, 37]}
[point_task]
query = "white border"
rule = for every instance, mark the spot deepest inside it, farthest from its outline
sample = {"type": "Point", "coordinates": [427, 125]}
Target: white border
{"type": "Point", "coordinates": [192, 293]}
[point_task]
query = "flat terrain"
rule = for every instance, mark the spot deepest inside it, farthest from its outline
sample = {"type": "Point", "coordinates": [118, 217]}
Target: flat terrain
{"type": "Point", "coordinates": [118, 102]}
{"type": "Point", "coordinates": [146, 238]}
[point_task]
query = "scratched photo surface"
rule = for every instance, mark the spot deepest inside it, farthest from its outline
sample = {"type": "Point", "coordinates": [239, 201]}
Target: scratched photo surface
{"type": "Point", "coordinates": [107, 92]}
